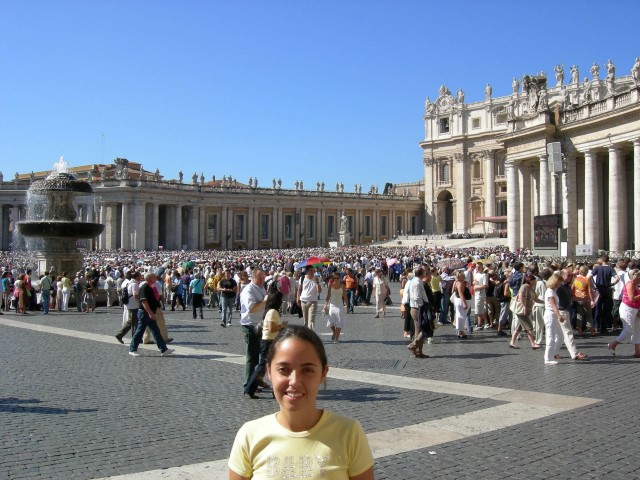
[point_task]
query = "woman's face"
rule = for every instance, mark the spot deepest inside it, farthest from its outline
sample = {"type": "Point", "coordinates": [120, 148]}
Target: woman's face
{"type": "Point", "coordinates": [296, 374]}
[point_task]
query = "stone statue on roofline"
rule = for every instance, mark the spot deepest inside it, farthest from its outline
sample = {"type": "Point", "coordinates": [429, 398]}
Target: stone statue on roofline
{"type": "Point", "coordinates": [635, 72]}
{"type": "Point", "coordinates": [515, 85]}
{"type": "Point", "coordinates": [575, 75]}
{"type": "Point", "coordinates": [559, 71]}
{"type": "Point", "coordinates": [595, 71]}
{"type": "Point", "coordinates": [488, 91]}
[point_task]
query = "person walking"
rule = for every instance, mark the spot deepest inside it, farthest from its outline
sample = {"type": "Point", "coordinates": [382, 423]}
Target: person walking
{"type": "Point", "coordinates": [196, 291]}
{"type": "Point", "coordinates": [629, 315]}
{"type": "Point", "coordinates": [45, 292]}
{"type": "Point", "coordinates": [308, 293]}
{"type": "Point", "coordinates": [461, 298]}
{"type": "Point", "coordinates": [334, 306]}
{"type": "Point", "coordinates": [132, 287]}
{"type": "Point", "coordinates": [417, 299]}
{"type": "Point", "coordinates": [380, 292]}
{"type": "Point", "coordinates": [253, 300]}
{"type": "Point", "coordinates": [272, 325]}
{"type": "Point", "coordinates": [149, 304]}
{"type": "Point", "coordinates": [227, 289]}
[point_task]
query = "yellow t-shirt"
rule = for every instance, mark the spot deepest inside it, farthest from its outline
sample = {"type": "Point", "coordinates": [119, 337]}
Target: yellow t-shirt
{"type": "Point", "coordinates": [336, 448]}
{"type": "Point", "coordinates": [272, 316]}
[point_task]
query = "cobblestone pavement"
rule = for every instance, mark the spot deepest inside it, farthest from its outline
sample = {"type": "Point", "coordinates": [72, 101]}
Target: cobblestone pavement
{"type": "Point", "coordinates": [73, 404]}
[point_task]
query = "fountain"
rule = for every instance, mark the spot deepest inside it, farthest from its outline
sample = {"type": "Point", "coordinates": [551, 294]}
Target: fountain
{"type": "Point", "coordinates": [51, 219]}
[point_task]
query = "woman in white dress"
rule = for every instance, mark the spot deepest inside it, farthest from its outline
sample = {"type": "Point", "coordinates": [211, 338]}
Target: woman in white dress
{"type": "Point", "coordinates": [334, 306]}
{"type": "Point", "coordinates": [380, 292]}
{"type": "Point", "coordinates": [461, 302]}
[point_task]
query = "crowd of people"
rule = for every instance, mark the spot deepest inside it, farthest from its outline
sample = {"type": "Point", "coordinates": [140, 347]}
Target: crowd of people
{"type": "Point", "coordinates": [472, 288]}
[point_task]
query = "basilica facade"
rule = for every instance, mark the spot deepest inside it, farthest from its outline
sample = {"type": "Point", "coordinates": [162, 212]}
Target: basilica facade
{"type": "Point", "coordinates": [142, 210]}
{"type": "Point", "coordinates": [570, 148]}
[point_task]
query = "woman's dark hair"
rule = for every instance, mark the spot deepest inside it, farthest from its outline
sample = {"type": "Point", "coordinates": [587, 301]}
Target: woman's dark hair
{"type": "Point", "coordinates": [299, 332]}
{"type": "Point", "coordinates": [274, 300]}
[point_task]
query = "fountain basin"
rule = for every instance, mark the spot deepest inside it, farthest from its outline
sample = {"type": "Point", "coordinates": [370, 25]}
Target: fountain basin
{"type": "Point", "coordinates": [49, 229]}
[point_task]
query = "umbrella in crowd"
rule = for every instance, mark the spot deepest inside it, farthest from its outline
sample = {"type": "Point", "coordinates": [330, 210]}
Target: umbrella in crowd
{"type": "Point", "coordinates": [391, 261]}
{"type": "Point", "coordinates": [315, 261]}
{"type": "Point", "coordinates": [189, 265]}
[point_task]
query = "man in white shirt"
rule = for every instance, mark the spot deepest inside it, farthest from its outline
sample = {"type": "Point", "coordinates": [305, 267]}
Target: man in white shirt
{"type": "Point", "coordinates": [480, 284]}
{"type": "Point", "coordinates": [132, 306]}
{"type": "Point", "coordinates": [307, 297]}
{"type": "Point", "coordinates": [252, 303]}
{"type": "Point", "coordinates": [417, 297]}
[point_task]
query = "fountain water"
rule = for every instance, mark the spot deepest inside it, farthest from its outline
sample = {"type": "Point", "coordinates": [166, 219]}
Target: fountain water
{"type": "Point", "coordinates": [51, 218]}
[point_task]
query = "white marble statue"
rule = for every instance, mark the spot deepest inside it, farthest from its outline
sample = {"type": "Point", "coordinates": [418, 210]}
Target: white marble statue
{"type": "Point", "coordinates": [559, 71]}
{"type": "Point", "coordinates": [575, 75]}
{"type": "Point", "coordinates": [595, 71]}
{"type": "Point", "coordinates": [635, 72]}
{"type": "Point", "coordinates": [515, 85]}
{"type": "Point", "coordinates": [488, 91]}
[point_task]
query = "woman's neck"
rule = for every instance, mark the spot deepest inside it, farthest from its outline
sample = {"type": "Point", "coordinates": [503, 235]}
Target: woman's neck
{"type": "Point", "coordinates": [299, 421]}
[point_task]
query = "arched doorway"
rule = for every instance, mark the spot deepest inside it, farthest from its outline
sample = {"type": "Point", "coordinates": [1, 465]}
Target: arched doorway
{"type": "Point", "coordinates": [444, 217]}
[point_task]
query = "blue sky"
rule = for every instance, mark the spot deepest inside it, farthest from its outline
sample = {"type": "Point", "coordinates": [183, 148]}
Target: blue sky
{"type": "Point", "coordinates": [312, 90]}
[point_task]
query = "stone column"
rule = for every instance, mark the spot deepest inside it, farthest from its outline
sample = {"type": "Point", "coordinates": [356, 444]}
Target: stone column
{"type": "Point", "coordinates": [525, 206]}
{"type": "Point", "coordinates": [111, 227]}
{"type": "Point", "coordinates": [513, 206]}
{"type": "Point", "coordinates": [490, 188]}
{"type": "Point", "coordinates": [591, 217]}
{"type": "Point", "coordinates": [124, 231]}
{"type": "Point", "coordinates": [275, 236]}
{"type": "Point", "coordinates": [102, 237]}
{"type": "Point", "coordinates": [202, 228]}
{"type": "Point", "coordinates": [194, 221]}
{"type": "Point", "coordinates": [5, 238]}
{"type": "Point", "coordinates": [139, 241]}
{"type": "Point", "coordinates": [178, 228]}
{"type": "Point", "coordinates": [250, 228]}
{"type": "Point", "coordinates": [462, 189]}
{"type": "Point", "coordinates": [544, 186]}
{"type": "Point", "coordinates": [617, 196]}
{"type": "Point", "coordinates": [570, 203]}
{"type": "Point", "coordinates": [318, 223]}
{"type": "Point", "coordinates": [429, 219]}
{"type": "Point", "coordinates": [636, 198]}
{"type": "Point", "coordinates": [155, 217]}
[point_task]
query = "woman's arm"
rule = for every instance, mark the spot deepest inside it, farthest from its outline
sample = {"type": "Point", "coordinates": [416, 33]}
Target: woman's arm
{"type": "Point", "coordinates": [554, 307]}
{"type": "Point", "coordinates": [367, 475]}
{"type": "Point", "coordinates": [234, 476]}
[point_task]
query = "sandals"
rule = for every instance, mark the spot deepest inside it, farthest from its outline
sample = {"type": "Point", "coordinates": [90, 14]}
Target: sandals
{"type": "Point", "coordinates": [612, 351]}
{"type": "Point", "coordinates": [582, 356]}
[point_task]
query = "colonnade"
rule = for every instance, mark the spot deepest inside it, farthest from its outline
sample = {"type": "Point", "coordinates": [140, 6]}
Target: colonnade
{"type": "Point", "coordinates": [135, 226]}
{"type": "Point", "coordinates": [594, 193]}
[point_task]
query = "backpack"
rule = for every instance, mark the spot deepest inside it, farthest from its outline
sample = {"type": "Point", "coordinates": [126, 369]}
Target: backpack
{"type": "Point", "coordinates": [124, 296]}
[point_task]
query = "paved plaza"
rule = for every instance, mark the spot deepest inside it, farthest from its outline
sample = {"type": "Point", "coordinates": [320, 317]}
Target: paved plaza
{"type": "Point", "coordinates": [73, 404]}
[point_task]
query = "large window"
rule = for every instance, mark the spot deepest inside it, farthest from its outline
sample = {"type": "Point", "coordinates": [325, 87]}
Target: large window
{"type": "Point", "coordinates": [444, 125]}
{"type": "Point", "coordinates": [383, 225]}
{"type": "Point", "coordinates": [288, 227]}
{"type": "Point", "coordinates": [311, 222]}
{"type": "Point", "coordinates": [367, 225]}
{"type": "Point", "coordinates": [212, 227]}
{"type": "Point", "coordinates": [264, 227]}
{"type": "Point", "coordinates": [399, 225]}
{"type": "Point", "coordinates": [445, 172]}
{"type": "Point", "coordinates": [331, 225]}
{"type": "Point", "coordinates": [239, 227]}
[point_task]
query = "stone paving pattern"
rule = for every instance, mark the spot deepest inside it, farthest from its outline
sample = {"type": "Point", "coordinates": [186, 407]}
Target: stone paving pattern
{"type": "Point", "coordinates": [74, 408]}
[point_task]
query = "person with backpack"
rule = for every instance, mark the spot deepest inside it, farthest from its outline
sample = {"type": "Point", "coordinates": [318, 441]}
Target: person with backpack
{"type": "Point", "coordinates": [604, 277]}
{"type": "Point", "coordinates": [503, 295]}
{"type": "Point", "coordinates": [131, 302]}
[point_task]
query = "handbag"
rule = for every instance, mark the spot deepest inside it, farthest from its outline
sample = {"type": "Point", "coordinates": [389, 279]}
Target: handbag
{"type": "Point", "coordinates": [517, 307]}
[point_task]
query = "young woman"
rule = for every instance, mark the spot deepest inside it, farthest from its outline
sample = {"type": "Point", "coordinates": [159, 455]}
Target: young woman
{"type": "Point", "coordinates": [553, 330]}
{"type": "Point", "coordinates": [629, 314]}
{"type": "Point", "coordinates": [300, 438]}
{"type": "Point", "coordinates": [271, 327]}
{"type": "Point", "coordinates": [461, 298]}
{"type": "Point", "coordinates": [333, 307]}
